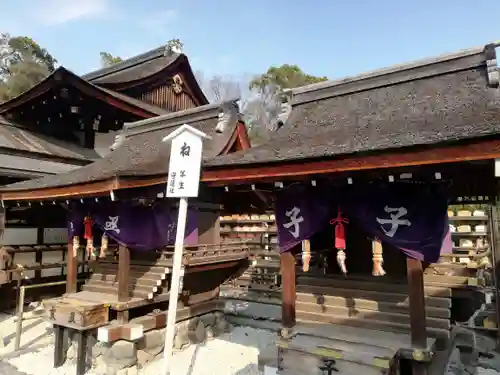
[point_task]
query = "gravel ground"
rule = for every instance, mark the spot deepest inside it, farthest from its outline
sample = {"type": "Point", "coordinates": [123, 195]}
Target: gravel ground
{"type": "Point", "coordinates": [234, 353]}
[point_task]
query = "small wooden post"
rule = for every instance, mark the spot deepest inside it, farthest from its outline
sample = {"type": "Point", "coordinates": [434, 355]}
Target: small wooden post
{"type": "Point", "coordinates": [417, 310]}
{"type": "Point", "coordinates": [288, 289]}
{"type": "Point", "coordinates": [123, 273]}
{"type": "Point", "coordinates": [59, 347]}
{"type": "Point", "coordinates": [72, 269]}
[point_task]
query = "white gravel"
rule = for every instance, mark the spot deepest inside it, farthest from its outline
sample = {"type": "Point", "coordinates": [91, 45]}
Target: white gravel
{"type": "Point", "coordinates": [234, 353]}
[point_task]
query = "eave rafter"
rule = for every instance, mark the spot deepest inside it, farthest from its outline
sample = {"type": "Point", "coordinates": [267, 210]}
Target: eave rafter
{"type": "Point", "coordinates": [474, 151]}
{"type": "Point", "coordinates": [103, 187]}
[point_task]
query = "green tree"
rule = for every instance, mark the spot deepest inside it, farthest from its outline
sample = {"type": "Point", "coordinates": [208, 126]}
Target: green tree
{"type": "Point", "coordinates": [23, 63]}
{"type": "Point", "coordinates": [263, 109]}
{"type": "Point", "coordinates": [286, 76]}
{"type": "Point", "coordinates": [107, 59]}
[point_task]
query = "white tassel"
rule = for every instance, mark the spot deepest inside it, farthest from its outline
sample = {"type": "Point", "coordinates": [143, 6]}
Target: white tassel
{"type": "Point", "coordinates": [104, 246]}
{"type": "Point", "coordinates": [378, 258]}
{"type": "Point", "coordinates": [76, 245]}
{"type": "Point", "coordinates": [306, 255]}
{"type": "Point", "coordinates": [341, 257]}
{"type": "Point", "coordinates": [90, 249]}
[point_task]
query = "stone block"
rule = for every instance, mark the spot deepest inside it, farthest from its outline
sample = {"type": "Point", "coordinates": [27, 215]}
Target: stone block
{"type": "Point", "coordinates": [144, 357]}
{"type": "Point", "coordinates": [222, 326]}
{"type": "Point", "coordinates": [152, 339]}
{"type": "Point", "coordinates": [209, 331]}
{"type": "Point", "coordinates": [197, 335]}
{"type": "Point", "coordinates": [193, 323]}
{"type": "Point", "coordinates": [208, 319]}
{"type": "Point", "coordinates": [122, 349]}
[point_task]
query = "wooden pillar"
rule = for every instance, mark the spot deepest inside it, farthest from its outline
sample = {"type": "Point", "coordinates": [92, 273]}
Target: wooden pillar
{"type": "Point", "coordinates": [417, 310]}
{"type": "Point", "coordinates": [287, 264]}
{"type": "Point", "coordinates": [494, 226]}
{"type": "Point", "coordinates": [123, 273]}
{"type": "Point", "coordinates": [72, 268]}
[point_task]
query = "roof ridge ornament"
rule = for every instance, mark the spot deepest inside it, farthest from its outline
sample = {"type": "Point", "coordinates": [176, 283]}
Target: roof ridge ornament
{"type": "Point", "coordinates": [119, 139]}
{"type": "Point", "coordinates": [492, 67]}
{"type": "Point", "coordinates": [173, 46]}
{"type": "Point", "coordinates": [230, 113]}
{"type": "Point", "coordinates": [285, 98]}
{"type": "Point", "coordinates": [177, 84]}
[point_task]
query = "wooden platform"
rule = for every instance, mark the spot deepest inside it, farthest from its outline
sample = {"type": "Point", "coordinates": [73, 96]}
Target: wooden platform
{"type": "Point", "coordinates": [354, 350]}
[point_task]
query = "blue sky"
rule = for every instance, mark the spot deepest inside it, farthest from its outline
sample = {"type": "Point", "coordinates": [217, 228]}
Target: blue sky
{"type": "Point", "coordinates": [324, 37]}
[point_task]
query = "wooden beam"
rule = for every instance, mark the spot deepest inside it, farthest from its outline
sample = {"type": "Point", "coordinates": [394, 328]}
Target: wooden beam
{"type": "Point", "coordinates": [494, 223]}
{"type": "Point", "coordinates": [418, 324]}
{"type": "Point", "coordinates": [232, 174]}
{"type": "Point", "coordinates": [287, 261]}
{"type": "Point", "coordinates": [478, 150]}
{"type": "Point", "coordinates": [123, 273]}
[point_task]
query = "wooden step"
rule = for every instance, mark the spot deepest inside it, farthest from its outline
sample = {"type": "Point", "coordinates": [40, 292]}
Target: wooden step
{"type": "Point", "coordinates": [131, 287]}
{"type": "Point", "coordinates": [365, 294]}
{"type": "Point", "coordinates": [315, 318]}
{"type": "Point", "coordinates": [134, 269]}
{"type": "Point", "coordinates": [262, 277]}
{"type": "Point", "coordinates": [443, 311]}
{"type": "Point", "coordinates": [372, 285]}
{"type": "Point", "coordinates": [107, 289]}
{"type": "Point", "coordinates": [149, 282]}
{"type": "Point", "coordinates": [156, 279]}
{"type": "Point", "coordinates": [357, 313]}
{"type": "Point", "coordinates": [254, 286]}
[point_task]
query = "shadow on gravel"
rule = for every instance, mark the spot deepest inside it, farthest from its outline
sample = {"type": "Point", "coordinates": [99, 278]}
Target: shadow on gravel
{"type": "Point", "coordinates": [8, 369]}
{"type": "Point", "coordinates": [250, 369]}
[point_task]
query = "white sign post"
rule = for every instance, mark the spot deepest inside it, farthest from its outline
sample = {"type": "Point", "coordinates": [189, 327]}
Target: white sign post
{"type": "Point", "coordinates": [183, 183]}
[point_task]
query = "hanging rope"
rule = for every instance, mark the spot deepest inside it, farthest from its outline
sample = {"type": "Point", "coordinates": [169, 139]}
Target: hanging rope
{"type": "Point", "coordinates": [104, 246]}
{"type": "Point", "coordinates": [76, 245]}
{"type": "Point", "coordinates": [88, 223]}
{"type": "Point", "coordinates": [340, 242]}
{"type": "Point", "coordinates": [378, 258]}
{"type": "Point", "coordinates": [306, 255]}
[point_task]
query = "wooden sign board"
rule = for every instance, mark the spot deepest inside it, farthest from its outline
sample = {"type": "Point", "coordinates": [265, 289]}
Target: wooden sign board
{"type": "Point", "coordinates": [185, 162]}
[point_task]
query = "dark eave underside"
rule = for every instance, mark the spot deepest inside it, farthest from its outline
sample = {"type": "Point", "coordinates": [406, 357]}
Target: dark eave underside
{"type": "Point", "coordinates": [19, 139]}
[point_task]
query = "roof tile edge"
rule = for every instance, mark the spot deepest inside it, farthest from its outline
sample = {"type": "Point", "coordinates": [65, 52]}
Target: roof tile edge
{"type": "Point", "coordinates": [465, 59]}
{"type": "Point", "coordinates": [226, 111]}
{"type": "Point", "coordinates": [127, 63]}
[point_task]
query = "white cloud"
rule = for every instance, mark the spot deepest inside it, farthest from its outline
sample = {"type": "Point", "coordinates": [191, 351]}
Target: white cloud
{"type": "Point", "coordinates": [57, 12]}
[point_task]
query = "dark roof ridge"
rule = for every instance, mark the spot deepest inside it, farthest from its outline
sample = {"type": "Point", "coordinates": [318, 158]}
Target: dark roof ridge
{"type": "Point", "coordinates": [447, 63]}
{"type": "Point", "coordinates": [173, 119]}
{"type": "Point", "coordinates": [128, 63]}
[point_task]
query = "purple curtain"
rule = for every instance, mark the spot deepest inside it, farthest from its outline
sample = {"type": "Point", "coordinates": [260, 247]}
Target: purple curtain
{"type": "Point", "coordinates": [135, 226]}
{"type": "Point", "coordinates": [300, 212]}
{"type": "Point", "coordinates": [411, 217]}
{"type": "Point", "coordinates": [76, 215]}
